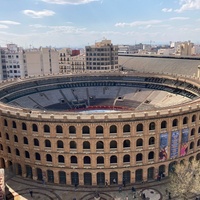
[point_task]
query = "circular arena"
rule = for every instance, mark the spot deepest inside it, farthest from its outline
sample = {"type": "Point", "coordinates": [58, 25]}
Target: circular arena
{"type": "Point", "coordinates": [98, 128]}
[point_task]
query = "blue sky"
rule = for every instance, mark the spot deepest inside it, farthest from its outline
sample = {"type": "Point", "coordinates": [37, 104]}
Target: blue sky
{"type": "Point", "coordinates": [77, 23]}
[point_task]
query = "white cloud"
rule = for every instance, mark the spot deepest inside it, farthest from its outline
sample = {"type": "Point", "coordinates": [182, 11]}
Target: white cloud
{"type": "Point", "coordinates": [72, 2]}
{"type": "Point", "coordinates": [9, 22]}
{"type": "Point", "coordinates": [188, 5]}
{"type": "Point", "coordinates": [38, 14]}
{"type": "Point", "coordinates": [179, 18]}
{"type": "Point", "coordinates": [167, 10]}
{"type": "Point", "coordinates": [3, 26]}
{"type": "Point", "coordinates": [138, 23]}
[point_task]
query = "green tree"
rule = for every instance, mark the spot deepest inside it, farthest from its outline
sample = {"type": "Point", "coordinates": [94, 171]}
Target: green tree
{"type": "Point", "coordinates": [185, 179]}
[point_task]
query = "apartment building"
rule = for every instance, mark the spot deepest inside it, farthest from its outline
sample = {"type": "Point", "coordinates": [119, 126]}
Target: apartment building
{"type": "Point", "coordinates": [103, 56]}
{"type": "Point", "coordinates": [12, 62]}
{"type": "Point", "coordinates": [42, 61]}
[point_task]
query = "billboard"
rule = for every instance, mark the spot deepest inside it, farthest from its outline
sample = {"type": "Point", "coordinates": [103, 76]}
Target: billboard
{"type": "Point", "coordinates": [163, 153]}
{"type": "Point", "coordinates": [2, 184]}
{"type": "Point", "coordinates": [184, 142]}
{"type": "Point", "coordinates": [174, 144]}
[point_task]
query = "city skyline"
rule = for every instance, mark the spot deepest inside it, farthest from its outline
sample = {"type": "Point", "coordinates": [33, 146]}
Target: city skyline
{"type": "Point", "coordinates": [77, 23]}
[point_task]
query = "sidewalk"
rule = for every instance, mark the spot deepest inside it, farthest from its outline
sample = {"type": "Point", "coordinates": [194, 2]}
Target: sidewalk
{"type": "Point", "coordinates": [19, 189]}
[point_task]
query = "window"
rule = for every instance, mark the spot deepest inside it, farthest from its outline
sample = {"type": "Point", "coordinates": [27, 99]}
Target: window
{"type": "Point", "coordinates": [61, 159]}
{"type": "Point", "coordinates": [175, 122]}
{"type": "Point", "coordinates": [185, 120]}
{"type": "Point", "coordinates": [100, 160]}
{"type": "Point", "coordinates": [46, 129]}
{"type": "Point", "coordinates": [14, 125]}
{"type": "Point", "coordinates": [152, 126]}
{"type": "Point", "coordinates": [34, 128]}
{"type": "Point", "coordinates": [151, 141]}
{"type": "Point", "coordinates": [47, 143]}
{"type": "Point", "coordinates": [85, 130]}
{"type": "Point", "coordinates": [36, 142]}
{"type": "Point", "coordinates": [5, 122]}
{"type": "Point", "coordinates": [139, 143]}
{"type": "Point", "coordinates": [151, 155]}
{"type": "Point", "coordinates": [113, 129]}
{"type": "Point", "coordinates": [27, 155]}
{"type": "Point", "coordinates": [24, 126]}
{"type": "Point", "coordinates": [25, 140]}
{"type": "Point", "coordinates": [59, 129]}
{"type": "Point", "coordinates": [139, 127]}
{"type": "Point", "coordinates": [73, 159]}
{"type": "Point", "coordinates": [126, 128]}
{"type": "Point", "coordinates": [126, 158]}
{"type": "Point", "coordinates": [113, 144]}
{"type": "Point", "coordinates": [48, 158]}
{"type": "Point", "coordinates": [72, 130]}
{"type": "Point", "coordinates": [9, 150]}
{"type": "Point", "coordinates": [72, 145]}
{"type": "Point", "coordinates": [86, 160]}
{"type": "Point", "coordinates": [60, 144]}
{"type": "Point", "coordinates": [37, 156]}
{"type": "Point", "coordinates": [86, 145]}
{"type": "Point", "coordinates": [7, 136]}
{"type": "Point", "coordinates": [15, 138]}
{"type": "Point", "coordinates": [139, 157]}
{"type": "Point", "coordinates": [99, 145]}
{"type": "Point", "coordinates": [163, 124]}
{"type": "Point", "coordinates": [17, 152]}
{"type": "Point", "coordinates": [126, 143]}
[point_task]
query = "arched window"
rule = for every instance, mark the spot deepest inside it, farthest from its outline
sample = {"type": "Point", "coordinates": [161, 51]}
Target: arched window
{"type": "Point", "coordinates": [126, 128]}
{"type": "Point", "coordinates": [59, 129]}
{"type": "Point", "coordinates": [24, 126]}
{"type": "Point", "coordinates": [113, 144]}
{"type": "Point", "coordinates": [185, 120]}
{"type": "Point", "coordinates": [50, 176]}
{"type": "Point", "coordinates": [139, 143]}
{"type": "Point", "coordinates": [15, 138]}
{"type": "Point", "coordinates": [72, 145]}
{"type": "Point", "coordinates": [126, 158]}
{"type": "Point", "coordinates": [73, 159]}
{"type": "Point", "coordinates": [48, 158]}
{"type": "Point", "coordinates": [14, 125]}
{"type": "Point", "coordinates": [100, 160]}
{"type": "Point", "coordinates": [113, 159]}
{"type": "Point", "coordinates": [175, 122]}
{"type": "Point", "coordinates": [34, 128]}
{"type": "Point", "coordinates": [25, 140]}
{"type": "Point", "coordinates": [191, 145]}
{"type": "Point", "coordinates": [86, 160]}
{"type": "Point", "coordinates": [139, 157]}
{"type": "Point", "coordinates": [17, 152]}
{"type": "Point", "coordinates": [46, 128]}
{"type": "Point", "coordinates": [62, 177]}
{"type": "Point", "coordinates": [113, 129]}
{"type": "Point", "coordinates": [99, 130]}
{"type": "Point", "coordinates": [37, 156]}
{"type": "Point", "coordinates": [198, 142]}
{"type": "Point", "coordinates": [152, 126]}
{"type": "Point", "coordinates": [60, 144]}
{"type": "Point", "coordinates": [151, 141]}
{"type": "Point", "coordinates": [139, 127]}
{"type": "Point", "coordinates": [99, 145]}
{"type": "Point", "coordinates": [7, 136]}
{"type": "Point", "coordinates": [194, 118]}
{"type": "Point", "coordinates": [36, 142]}
{"type": "Point", "coordinates": [27, 155]}
{"type": "Point", "coordinates": [72, 130]}
{"type": "Point", "coordinates": [85, 130]}
{"type": "Point", "coordinates": [9, 150]}
{"type": "Point", "coordinates": [5, 122]}
{"type": "Point", "coordinates": [192, 132]}
{"type": "Point", "coordinates": [61, 159]}
{"type": "Point", "coordinates": [151, 155]}
{"type": "Point", "coordinates": [126, 144]}
{"type": "Point", "coordinates": [163, 124]}
{"type": "Point", "coordinates": [47, 143]}
{"type": "Point", "coordinates": [86, 145]}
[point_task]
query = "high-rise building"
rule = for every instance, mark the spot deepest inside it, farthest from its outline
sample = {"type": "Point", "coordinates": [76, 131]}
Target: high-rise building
{"type": "Point", "coordinates": [103, 56]}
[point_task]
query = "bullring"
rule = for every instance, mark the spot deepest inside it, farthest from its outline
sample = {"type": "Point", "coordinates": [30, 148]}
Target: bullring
{"type": "Point", "coordinates": [92, 128]}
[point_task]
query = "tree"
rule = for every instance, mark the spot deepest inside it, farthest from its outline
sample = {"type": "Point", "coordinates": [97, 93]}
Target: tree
{"type": "Point", "coordinates": [185, 179]}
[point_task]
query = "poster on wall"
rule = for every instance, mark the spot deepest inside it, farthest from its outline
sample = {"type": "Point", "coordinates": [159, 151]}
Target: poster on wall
{"type": "Point", "coordinates": [174, 144]}
{"type": "Point", "coordinates": [184, 142]}
{"type": "Point", "coordinates": [2, 184]}
{"type": "Point", "coordinates": [163, 153]}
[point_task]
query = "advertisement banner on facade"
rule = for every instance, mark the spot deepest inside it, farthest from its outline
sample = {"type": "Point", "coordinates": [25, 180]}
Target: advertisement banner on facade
{"type": "Point", "coordinates": [2, 184]}
{"type": "Point", "coordinates": [174, 144]}
{"type": "Point", "coordinates": [184, 142]}
{"type": "Point", "coordinates": [163, 152]}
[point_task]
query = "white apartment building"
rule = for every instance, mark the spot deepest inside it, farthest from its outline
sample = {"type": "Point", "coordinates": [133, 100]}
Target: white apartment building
{"type": "Point", "coordinates": [12, 62]}
{"type": "Point", "coordinates": [42, 61]}
{"type": "Point", "coordinates": [103, 56]}
{"type": "Point", "coordinates": [64, 60]}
